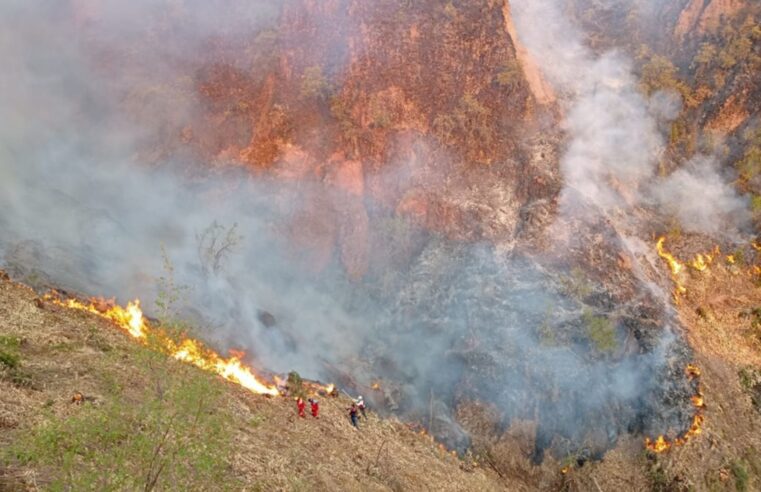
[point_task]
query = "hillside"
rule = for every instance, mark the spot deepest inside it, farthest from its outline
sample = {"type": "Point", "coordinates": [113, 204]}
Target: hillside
{"type": "Point", "coordinates": [528, 227]}
{"type": "Point", "coordinates": [145, 415]}
{"type": "Point", "coordinates": [209, 434]}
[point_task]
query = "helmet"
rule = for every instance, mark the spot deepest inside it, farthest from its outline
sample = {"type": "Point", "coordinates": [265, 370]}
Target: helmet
{"type": "Point", "coordinates": [359, 398]}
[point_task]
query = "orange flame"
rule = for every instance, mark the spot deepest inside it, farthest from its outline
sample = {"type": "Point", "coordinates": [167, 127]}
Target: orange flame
{"type": "Point", "coordinates": [673, 263]}
{"type": "Point", "coordinates": [692, 371]}
{"type": "Point", "coordinates": [131, 320]}
{"type": "Point", "coordinates": [661, 444]}
{"type": "Point", "coordinates": [700, 263]}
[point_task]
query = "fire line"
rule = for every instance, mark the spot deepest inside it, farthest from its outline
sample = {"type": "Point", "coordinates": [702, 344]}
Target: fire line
{"type": "Point", "coordinates": [661, 443]}
{"type": "Point", "coordinates": [189, 350]}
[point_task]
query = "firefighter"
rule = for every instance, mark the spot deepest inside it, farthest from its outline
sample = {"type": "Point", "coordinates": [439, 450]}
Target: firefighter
{"type": "Point", "coordinates": [301, 406]}
{"type": "Point", "coordinates": [361, 406]}
{"type": "Point", "coordinates": [353, 415]}
{"type": "Point", "coordinates": [315, 405]}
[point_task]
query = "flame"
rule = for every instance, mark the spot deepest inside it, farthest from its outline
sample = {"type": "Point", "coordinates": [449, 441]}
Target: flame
{"type": "Point", "coordinates": [692, 371]}
{"type": "Point", "coordinates": [661, 444]}
{"type": "Point", "coordinates": [700, 263]}
{"type": "Point", "coordinates": [673, 263]}
{"type": "Point", "coordinates": [131, 320]}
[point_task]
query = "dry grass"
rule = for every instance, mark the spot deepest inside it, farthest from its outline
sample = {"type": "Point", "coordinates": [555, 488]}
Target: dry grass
{"type": "Point", "coordinates": [63, 352]}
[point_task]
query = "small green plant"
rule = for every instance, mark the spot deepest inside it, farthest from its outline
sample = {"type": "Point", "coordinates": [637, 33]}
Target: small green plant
{"type": "Point", "coordinates": [740, 472]}
{"type": "Point", "coordinates": [659, 481]}
{"type": "Point", "coordinates": [600, 331]}
{"type": "Point", "coordinates": [174, 437]}
{"type": "Point", "coordinates": [576, 284]}
{"type": "Point", "coordinates": [169, 293]}
{"type": "Point", "coordinates": [10, 342]}
{"type": "Point", "coordinates": [747, 377]}
{"type": "Point", "coordinates": [256, 421]}
{"type": "Point", "coordinates": [9, 357]}
{"type": "Point", "coordinates": [295, 384]}
{"type": "Point", "coordinates": [510, 75]}
{"type": "Point", "coordinates": [314, 83]}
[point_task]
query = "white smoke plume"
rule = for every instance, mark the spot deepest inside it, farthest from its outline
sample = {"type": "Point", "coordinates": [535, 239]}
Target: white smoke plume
{"type": "Point", "coordinates": [701, 198]}
{"type": "Point", "coordinates": [614, 140]}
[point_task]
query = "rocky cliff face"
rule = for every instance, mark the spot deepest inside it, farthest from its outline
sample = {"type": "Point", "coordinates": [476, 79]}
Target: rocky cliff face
{"type": "Point", "coordinates": [413, 108]}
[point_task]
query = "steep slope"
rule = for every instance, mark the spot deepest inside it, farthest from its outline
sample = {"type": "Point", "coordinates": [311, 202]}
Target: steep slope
{"type": "Point", "coordinates": [247, 442]}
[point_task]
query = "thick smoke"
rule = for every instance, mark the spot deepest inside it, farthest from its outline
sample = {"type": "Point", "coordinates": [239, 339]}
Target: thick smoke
{"type": "Point", "coordinates": [615, 142]}
{"type": "Point", "coordinates": [83, 204]}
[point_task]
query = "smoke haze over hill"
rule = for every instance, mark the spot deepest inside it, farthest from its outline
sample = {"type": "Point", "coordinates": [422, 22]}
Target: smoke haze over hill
{"type": "Point", "coordinates": [88, 200]}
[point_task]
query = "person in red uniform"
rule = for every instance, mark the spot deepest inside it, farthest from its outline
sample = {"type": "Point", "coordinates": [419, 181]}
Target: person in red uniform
{"type": "Point", "coordinates": [301, 406]}
{"type": "Point", "coordinates": [315, 405]}
{"type": "Point", "coordinates": [353, 415]}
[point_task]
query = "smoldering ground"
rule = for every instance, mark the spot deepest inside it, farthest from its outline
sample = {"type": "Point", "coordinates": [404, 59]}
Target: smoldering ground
{"type": "Point", "coordinates": [450, 322]}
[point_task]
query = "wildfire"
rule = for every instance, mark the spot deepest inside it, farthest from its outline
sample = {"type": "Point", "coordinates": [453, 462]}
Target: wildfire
{"type": "Point", "coordinates": [692, 371]}
{"type": "Point", "coordinates": [662, 444]}
{"type": "Point", "coordinates": [131, 320]}
{"type": "Point", "coordinates": [659, 445]}
{"type": "Point", "coordinates": [673, 263]}
{"type": "Point", "coordinates": [700, 263]}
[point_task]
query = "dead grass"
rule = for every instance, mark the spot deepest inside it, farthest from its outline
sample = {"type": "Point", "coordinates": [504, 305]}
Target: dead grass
{"type": "Point", "coordinates": [64, 352]}
{"type": "Point", "coordinates": [61, 352]}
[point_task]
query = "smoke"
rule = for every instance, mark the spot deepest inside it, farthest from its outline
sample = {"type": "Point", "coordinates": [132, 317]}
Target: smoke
{"type": "Point", "coordinates": [88, 90]}
{"type": "Point", "coordinates": [615, 133]}
{"type": "Point", "coordinates": [698, 195]}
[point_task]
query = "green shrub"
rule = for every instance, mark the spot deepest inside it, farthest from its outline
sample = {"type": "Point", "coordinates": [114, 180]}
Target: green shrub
{"type": "Point", "coordinates": [9, 359]}
{"type": "Point", "coordinates": [10, 342]}
{"type": "Point", "coordinates": [576, 284]}
{"type": "Point", "coordinates": [510, 75]}
{"type": "Point", "coordinates": [296, 384]}
{"type": "Point", "coordinates": [314, 83]}
{"type": "Point", "coordinates": [176, 438]}
{"type": "Point", "coordinates": [600, 332]}
{"type": "Point", "coordinates": [741, 475]}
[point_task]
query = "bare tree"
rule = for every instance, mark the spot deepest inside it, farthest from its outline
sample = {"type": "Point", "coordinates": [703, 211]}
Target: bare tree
{"type": "Point", "coordinates": [215, 244]}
